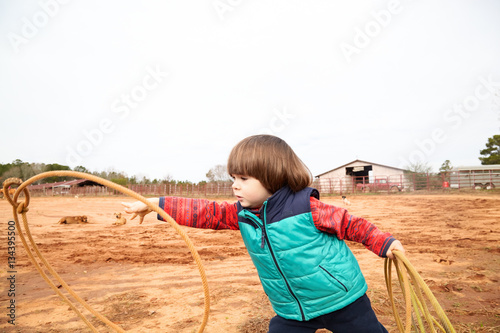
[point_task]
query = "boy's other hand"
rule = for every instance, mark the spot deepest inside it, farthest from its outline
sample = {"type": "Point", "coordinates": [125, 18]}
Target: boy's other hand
{"type": "Point", "coordinates": [396, 245]}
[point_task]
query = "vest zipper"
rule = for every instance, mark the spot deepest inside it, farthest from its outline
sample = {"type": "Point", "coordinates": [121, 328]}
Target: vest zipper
{"type": "Point", "coordinates": [327, 272]}
{"type": "Point", "coordinates": [265, 237]}
{"type": "Point", "coordinates": [257, 225]}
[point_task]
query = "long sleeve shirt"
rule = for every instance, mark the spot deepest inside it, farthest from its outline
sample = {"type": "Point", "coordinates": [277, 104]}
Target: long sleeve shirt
{"type": "Point", "coordinates": [202, 213]}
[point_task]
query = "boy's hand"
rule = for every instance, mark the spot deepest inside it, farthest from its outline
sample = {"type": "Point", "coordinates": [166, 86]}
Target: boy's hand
{"type": "Point", "coordinates": [396, 245]}
{"type": "Point", "coordinates": [139, 208]}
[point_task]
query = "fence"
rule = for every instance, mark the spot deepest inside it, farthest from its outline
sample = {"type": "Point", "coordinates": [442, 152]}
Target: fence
{"type": "Point", "coordinates": [179, 190]}
{"type": "Point", "coordinates": [185, 190]}
{"type": "Point", "coordinates": [394, 183]}
{"type": "Point", "coordinates": [409, 182]}
{"type": "Point", "coordinates": [345, 185]}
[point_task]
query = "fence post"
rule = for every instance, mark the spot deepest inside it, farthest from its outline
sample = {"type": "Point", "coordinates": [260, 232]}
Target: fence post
{"type": "Point", "coordinates": [442, 180]}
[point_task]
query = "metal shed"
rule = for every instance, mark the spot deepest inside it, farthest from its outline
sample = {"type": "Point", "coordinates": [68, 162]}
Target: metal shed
{"type": "Point", "coordinates": [476, 177]}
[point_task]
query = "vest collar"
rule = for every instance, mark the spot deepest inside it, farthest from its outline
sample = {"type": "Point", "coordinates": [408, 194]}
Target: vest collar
{"type": "Point", "coordinates": [278, 199]}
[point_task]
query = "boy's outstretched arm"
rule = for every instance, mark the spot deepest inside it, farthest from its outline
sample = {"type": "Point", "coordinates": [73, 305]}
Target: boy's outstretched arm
{"type": "Point", "coordinates": [201, 213]}
{"type": "Point", "coordinates": [196, 213]}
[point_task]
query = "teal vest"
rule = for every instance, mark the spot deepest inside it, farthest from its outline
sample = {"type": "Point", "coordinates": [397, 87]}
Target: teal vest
{"type": "Point", "coordinates": [305, 272]}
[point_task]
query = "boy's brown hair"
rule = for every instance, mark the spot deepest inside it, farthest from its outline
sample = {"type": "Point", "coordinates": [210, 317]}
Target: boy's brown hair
{"type": "Point", "coordinates": [270, 160]}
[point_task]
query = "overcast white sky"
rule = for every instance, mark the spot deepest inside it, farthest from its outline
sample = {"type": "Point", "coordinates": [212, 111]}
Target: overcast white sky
{"type": "Point", "coordinates": [167, 88]}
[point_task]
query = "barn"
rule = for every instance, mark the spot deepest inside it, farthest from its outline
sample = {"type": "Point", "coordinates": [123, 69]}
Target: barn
{"type": "Point", "coordinates": [63, 187]}
{"type": "Point", "coordinates": [360, 174]}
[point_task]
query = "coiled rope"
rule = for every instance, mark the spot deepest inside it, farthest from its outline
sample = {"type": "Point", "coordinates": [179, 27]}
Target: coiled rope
{"type": "Point", "coordinates": [414, 288]}
{"type": "Point", "coordinates": [22, 208]}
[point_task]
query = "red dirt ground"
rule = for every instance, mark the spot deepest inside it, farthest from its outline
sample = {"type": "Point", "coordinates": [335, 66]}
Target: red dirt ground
{"type": "Point", "coordinates": [143, 277]}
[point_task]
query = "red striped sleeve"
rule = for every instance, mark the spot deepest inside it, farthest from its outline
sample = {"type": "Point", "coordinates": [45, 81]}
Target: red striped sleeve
{"type": "Point", "coordinates": [201, 213]}
{"type": "Point", "coordinates": [338, 221]}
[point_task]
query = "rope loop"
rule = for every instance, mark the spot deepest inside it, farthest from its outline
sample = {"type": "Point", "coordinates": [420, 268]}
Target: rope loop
{"type": "Point", "coordinates": [13, 199]}
{"type": "Point", "coordinates": [415, 290]}
{"type": "Point", "coordinates": [39, 259]}
{"type": "Point", "coordinates": [21, 208]}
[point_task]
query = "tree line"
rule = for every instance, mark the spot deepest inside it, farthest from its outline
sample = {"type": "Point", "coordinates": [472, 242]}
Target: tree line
{"type": "Point", "coordinates": [26, 170]}
{"type": "Point", "coordinates": [218, 174]}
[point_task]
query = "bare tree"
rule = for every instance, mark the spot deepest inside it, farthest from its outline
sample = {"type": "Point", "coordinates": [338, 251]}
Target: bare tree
{"type": "Point", "coordinates": [218, 174]}
{"type": "Point", "coordinates": [419, 167]}
{"type": "Point", "coordinates": [417, 173]}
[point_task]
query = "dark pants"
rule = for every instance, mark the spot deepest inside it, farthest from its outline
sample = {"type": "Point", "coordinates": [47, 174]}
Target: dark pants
{"type": "Point", "coordinates": [357, 317]}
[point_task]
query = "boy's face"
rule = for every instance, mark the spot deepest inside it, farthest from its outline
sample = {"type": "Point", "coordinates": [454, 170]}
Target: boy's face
{"type": "Point", "coordinates": [249, 191]}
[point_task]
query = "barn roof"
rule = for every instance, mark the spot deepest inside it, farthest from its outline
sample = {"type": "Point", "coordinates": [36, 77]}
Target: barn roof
{"type": "Point", "coordinates": [365, 162]}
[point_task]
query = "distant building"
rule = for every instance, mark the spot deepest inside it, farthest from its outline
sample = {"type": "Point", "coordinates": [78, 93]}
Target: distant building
{"type": "Point", "coordinates": [63, 187]}
{"type": "Point", "coordinates": [346, 177]}
{"type": "Point", "coordinates": [476, 177]}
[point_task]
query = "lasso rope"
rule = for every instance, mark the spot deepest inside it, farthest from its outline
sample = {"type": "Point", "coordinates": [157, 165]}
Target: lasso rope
{"type": "Point", "coordinates": [412, 286]}
{"type": "Point", "coordinates": [22, 208]}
